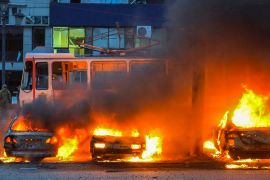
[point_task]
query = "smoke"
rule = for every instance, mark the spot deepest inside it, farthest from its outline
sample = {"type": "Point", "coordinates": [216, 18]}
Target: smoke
{"type": "Point", "coordinates": [76, 108]}
{"type": "Point", "coordinates": [213, 47]}
{"type": "Point", "coordinates": [227, 45]}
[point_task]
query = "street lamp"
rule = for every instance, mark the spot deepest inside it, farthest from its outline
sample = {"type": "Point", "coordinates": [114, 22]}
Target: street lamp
{"type": "Point", "coordinates": [4, 15]}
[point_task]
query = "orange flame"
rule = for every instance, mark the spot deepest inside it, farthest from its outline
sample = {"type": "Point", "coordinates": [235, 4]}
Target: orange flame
{"type": "Point", "coordinates": [153, 143]}
{"type": "Point", "coordinates": [21, 125]}
{"type": "Point", "coordinates": [153, 147]}
{"type": "Point", "coordinates": [102, 131]}
{"type": "Point", "coordinates": [6, 159]}
{"type": "Point", "coordinates": [251, 111]}
{"type": "Point", "coordinates": [68, 147]}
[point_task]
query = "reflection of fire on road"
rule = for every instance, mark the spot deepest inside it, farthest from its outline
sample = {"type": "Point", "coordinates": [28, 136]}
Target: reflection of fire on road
{"type": "Point", "coordinates": [243, 136]}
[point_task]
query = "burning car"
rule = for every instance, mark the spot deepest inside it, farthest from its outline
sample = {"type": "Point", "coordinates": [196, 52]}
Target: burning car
{"type": "Point", "coordinates": [243, 143]}
{"type": "Point", "coordinates": [245, 133]}
{"type": "Point", "coordinates": [108, 144]}
{"type": "Point", "coordinates": [21, 140]}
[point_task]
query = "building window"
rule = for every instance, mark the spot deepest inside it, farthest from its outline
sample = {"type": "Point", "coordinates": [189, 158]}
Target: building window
{"type": "Point", "coordinates": [67, 38]}
{"type": "Point", "coordinates": [129, 37]}
{"type": "Point", "coordinates": [38, 37]}
{"type": "Point", "coordinates": [76, 35]}
{"type": "Point", "coordinates": [100, 38]}
{"type": "Point", "coordinates": [106, 1]}
{"type": "Point", "coordinates": [116, 38]}
{"type": "Point", "coordinates": [75, 1]}
{"type": "Point", "coordinates": [14, 43]}
{"type": "Point", "coordinates": [60, 37]}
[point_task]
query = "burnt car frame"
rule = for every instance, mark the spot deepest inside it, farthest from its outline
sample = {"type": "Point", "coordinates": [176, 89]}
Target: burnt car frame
{"type": "Point", "coordinates": [116, 147]}
{"type": "Point", "coordinates": [29, 145]}
{"type": "Point", "coordinates": [243, 143]}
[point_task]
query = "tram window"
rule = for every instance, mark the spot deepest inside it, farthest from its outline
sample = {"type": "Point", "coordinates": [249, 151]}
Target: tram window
{"type": "Point", "coordinates": [147, 69]}
{"type": "Point", "coordinates": [27, 76]}
{"type": "Point", "coordinates": [72, 74]}
{"type": "Point", "coordinates": [42, 75]}
{"type": "Point", "coordinates": [108, 74]}
{"type": "Point", "coordinates": [78, 77]}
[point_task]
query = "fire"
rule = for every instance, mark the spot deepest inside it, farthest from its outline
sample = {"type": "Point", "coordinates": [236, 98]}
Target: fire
{"type": "Point", "coordinates": [21, 125]}
{"type": "Point", "coordinates": [153, 143]}
{"type": "Point", "coordinates": [135, 133]}
{"type": "Point", "coordinates": [249, 164]}
{"type": "Point", "coordinates": [210, 147]}
{"type": "Point", "coordinates": [250, 112]}
{"type": "Point", "coordinates": [70, 145]}
{"type": "Point", "coordinates": [153, 147]}
{"type": "Point", "coordinates": [101, 131]}
{"type": "Point", "coordinates": [6, 159]}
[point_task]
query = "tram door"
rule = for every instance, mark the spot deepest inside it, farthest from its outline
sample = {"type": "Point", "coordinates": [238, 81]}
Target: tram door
{"type": "Point", "coordinates": [35, 81]}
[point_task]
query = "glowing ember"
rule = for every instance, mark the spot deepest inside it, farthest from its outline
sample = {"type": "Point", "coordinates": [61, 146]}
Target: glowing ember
{"type": "Point", "coordinates": [70, 145]}
{"type": "Point", "coordinates": [249, 164]}
{"type": "Point", "coordinates": [250, 112]}
{"type": "Point", "coordinates": [100, 131]}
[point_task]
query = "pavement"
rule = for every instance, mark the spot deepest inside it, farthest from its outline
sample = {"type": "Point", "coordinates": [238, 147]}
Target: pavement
{"type": "Point", "coordinates": [91, 170]}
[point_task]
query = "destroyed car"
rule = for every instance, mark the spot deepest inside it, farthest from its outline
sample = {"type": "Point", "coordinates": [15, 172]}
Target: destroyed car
{"type": "Point", "coordinates": [28, 143]}
{"type": "Point", "coordinates": [116, 147]}
{"type": "Point", "coordinates": [243, 143]}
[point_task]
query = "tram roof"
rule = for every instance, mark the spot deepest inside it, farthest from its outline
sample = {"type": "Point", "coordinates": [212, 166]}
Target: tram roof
{"type": "Point", "coordinates": [59, 56]}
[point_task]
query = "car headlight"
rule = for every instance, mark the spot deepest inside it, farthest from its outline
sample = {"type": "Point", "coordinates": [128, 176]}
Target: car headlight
{"type": "Point", "coordinates": [99, 145]}
{"type": "Point", "coordinates": [52, 140]}
{"type": "Point", "coordinates": [136, 146]}
{"type": "Point", "coordinates": [8, 140]}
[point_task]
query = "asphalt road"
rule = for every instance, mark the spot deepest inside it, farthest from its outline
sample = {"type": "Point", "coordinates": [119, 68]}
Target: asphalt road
{"type": "Point", "coordinates": [91, 170]}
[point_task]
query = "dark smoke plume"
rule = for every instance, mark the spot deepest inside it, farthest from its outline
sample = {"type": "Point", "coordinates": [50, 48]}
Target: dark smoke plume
{"type": "Point", "coordinates": [226, 43]}
{"type": "Point", "coordinates": [123, 101]}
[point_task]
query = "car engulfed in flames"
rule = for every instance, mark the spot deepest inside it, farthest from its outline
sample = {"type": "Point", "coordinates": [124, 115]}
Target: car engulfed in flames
{"type": "Point", "coordinates": [244, 133]}
{"type": "Point", "coordinates": [23, 141]}
{"type": "Point", "coordinates": [111, 145]}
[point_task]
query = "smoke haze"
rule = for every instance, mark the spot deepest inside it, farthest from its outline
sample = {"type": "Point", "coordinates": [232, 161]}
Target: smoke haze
{"type": "Point", "coordinates": [213, 47]}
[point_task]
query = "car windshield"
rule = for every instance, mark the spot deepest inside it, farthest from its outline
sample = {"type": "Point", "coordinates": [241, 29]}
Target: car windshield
{"type": "Point", "coordinates": [22, 124]}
